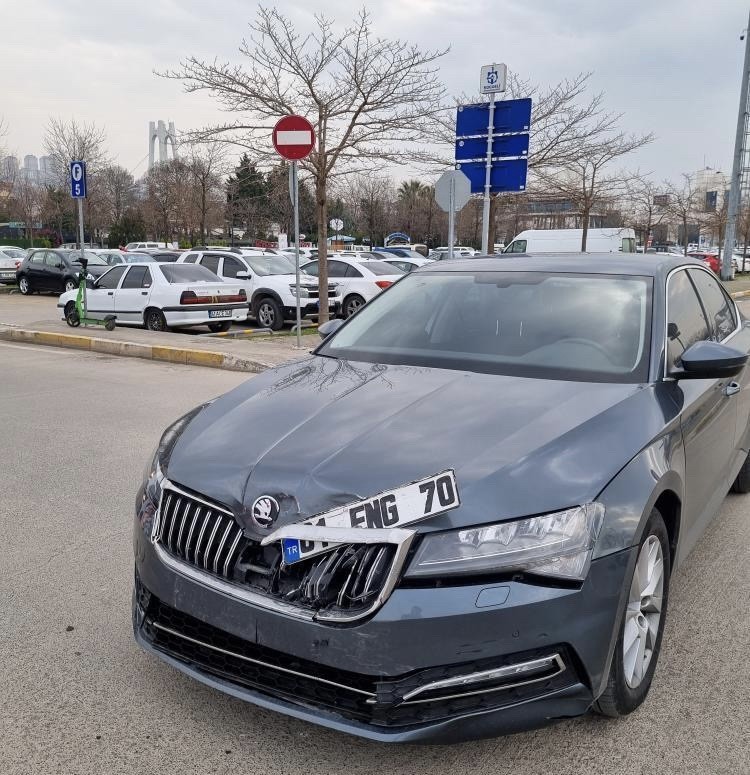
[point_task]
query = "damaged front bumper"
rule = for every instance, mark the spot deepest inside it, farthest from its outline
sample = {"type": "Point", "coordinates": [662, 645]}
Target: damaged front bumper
{"type": "Point", "coordinates": [431, 664]}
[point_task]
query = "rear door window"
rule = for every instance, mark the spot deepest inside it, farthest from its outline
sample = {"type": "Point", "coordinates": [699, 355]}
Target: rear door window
{"type": "Point", "coordinates": [135, 277]}
{"type": "Point", "coordinates": [211, 263]}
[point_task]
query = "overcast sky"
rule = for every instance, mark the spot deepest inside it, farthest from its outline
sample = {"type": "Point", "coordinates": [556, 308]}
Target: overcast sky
{"type": "Point", "coordinates": [672, 66]}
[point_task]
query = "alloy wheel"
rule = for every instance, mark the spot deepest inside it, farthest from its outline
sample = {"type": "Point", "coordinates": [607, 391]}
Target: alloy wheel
{"type": "Point", "coordinates": [70, 285]}
{"type": "Point", "coordinates": [353, 305]}
{"type": "Point", "coordinates": [266, 315]}
{"type": "Point", "coordinates": [643, 614]}
{"type": "Point", "coordinates": [23, 285]}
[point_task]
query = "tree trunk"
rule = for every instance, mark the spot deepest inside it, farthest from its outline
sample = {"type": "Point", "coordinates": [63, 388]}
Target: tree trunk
{"type": "Point", "coordinates": [684, 235]}
{"type": "Point", "coordinates": [322, 208]}
{"type": "Point", "coordinates": [585, 215]}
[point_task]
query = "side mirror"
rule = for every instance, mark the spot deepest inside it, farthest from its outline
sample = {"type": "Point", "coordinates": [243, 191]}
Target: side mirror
{"type": "Point", "coordinates": [329, 327]}
{"type": "Point", "coordinates": [711, 360]}
{"type": "Point", "coordinates": [243, 275]}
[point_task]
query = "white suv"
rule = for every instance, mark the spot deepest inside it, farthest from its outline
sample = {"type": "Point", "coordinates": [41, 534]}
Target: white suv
{"type": "Point", "coordinates": [269, 282]}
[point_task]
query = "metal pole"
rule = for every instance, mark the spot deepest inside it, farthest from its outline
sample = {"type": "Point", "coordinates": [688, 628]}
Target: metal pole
{"type": "Point", "coordinates": [487, 173]}
{"type": "Point", "coordinates": [80, 247]}
{"type": "Point", "coordinates": [451, 218]}
{"type": "Point", "coordinates": [734, 191]}
{"type": "Point", "coordinates": [295, 186]}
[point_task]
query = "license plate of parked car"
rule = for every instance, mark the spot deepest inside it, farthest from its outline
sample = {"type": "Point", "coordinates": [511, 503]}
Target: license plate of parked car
{"type": "Point", "coordinates": [393, 508]}
{"type": "Point", "coordinates": [7, 275]}
{"type": "Point", "coordinates": [220, 313]}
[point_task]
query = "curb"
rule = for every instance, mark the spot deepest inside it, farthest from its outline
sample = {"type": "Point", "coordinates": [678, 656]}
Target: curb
{"type": "Point", "coordinates": [740, 294]}
{"type": "Point", "coordinates": [183, 355]}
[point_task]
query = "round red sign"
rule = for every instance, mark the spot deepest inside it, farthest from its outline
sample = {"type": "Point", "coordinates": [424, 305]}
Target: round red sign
{"type": "Point", "coordinates": [293, 137]}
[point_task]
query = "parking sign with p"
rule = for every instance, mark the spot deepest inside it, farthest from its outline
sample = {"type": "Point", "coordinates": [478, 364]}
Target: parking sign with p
{"type": "Point", "coordinates": [78, 179]}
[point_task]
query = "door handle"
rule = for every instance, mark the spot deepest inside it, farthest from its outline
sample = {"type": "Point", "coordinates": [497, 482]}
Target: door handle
{"type": "Point", "coordinates": [110, 293]}
{"type": "Point", "coordinates": [144, 293]}
{"type": "Point", "coordinates": [732, 388]}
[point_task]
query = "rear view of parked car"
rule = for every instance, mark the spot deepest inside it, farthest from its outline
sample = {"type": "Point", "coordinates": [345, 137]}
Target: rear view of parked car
{"type": "Point", "coordinates": [358, 281]}
{"type": "Point", "coordinates": [10, 259]}
{"type": "Point", "coordinates": [161, 296]}
{"type": "Point", "coordinates": [55, 271]}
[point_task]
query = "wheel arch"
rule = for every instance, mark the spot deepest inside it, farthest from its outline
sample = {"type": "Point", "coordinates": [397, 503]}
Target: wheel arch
{"type": "Point", "coordinates": [263, 293]}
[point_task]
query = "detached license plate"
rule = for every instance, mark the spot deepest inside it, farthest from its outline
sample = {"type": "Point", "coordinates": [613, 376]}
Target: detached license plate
{"type": "Point", "coordinates": [220, 313]}
{"type": "Point", "coordinates": [392, 508]}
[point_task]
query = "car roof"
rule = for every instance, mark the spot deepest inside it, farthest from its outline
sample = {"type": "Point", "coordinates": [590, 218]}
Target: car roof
{"type": "Point", "coordinates": [649, 265]}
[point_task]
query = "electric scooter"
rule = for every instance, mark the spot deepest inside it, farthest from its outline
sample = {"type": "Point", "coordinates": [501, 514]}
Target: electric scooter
{"type": "Point", "coordinates": [77, 314]}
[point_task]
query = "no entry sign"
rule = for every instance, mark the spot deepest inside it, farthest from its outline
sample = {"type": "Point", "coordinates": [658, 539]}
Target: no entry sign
{"type": "Point", "coordinates": [293, 137]}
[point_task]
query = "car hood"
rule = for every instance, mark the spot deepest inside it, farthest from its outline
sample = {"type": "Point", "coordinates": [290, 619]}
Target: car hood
{"type": "Point", "coordinates": [322, 432]}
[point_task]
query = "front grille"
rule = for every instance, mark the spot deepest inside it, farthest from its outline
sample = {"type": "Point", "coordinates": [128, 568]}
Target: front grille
{"type": "Point", "coordinates": [313, 292]}
{"type": "Point", "coordinates": [343, 584]}
{"type": "Point", "coordinates": [373, 699]}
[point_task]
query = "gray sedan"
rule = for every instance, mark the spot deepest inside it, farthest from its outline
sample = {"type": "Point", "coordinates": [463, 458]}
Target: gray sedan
{"type": "Point", "coordinates": [460, 515]}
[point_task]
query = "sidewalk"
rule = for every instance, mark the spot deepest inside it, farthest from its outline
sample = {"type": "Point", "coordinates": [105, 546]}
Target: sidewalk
{"type": "Point", "coordinates": [20, 322]}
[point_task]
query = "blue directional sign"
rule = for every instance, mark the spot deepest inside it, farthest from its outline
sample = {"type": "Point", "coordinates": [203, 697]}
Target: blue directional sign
{"type": "Point", "coordinates": [510, 116]}
{"type": "Point", "coordinates": [507, 175]}
{"type": "Point", "coordinates": [502, 146]}
{"type": "Point", "coordinates": [78, 179]}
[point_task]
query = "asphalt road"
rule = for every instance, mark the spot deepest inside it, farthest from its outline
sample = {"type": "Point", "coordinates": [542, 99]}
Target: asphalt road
{"type": "Point", "coordinates": [78, 696]}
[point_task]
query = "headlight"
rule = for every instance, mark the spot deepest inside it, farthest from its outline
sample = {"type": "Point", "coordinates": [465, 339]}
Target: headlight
{"type": "Point", "coordinates": [556, 544]}
{"type": "Point", "coordinates": [303, 292]}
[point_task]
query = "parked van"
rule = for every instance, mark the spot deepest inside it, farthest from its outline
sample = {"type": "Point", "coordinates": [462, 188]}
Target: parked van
{"type": "Point", "coordinates": [569, 241]}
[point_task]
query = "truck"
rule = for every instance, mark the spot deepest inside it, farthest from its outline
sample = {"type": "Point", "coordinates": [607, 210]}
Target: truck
{"type": "Point", "coordinates": [612, 240]}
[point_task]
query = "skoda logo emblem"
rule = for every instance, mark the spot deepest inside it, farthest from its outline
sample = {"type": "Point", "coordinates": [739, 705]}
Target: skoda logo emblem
{"type": "Point", "coordinates": [264, 511]}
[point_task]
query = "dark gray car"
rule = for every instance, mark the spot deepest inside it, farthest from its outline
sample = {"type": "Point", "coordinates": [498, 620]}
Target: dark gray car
{"type": "Point", "coordinates": [459, 516]}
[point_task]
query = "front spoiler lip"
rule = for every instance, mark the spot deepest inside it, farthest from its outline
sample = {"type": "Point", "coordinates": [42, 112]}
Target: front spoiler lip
{"type": "Point", "coordinates": [567, 702]}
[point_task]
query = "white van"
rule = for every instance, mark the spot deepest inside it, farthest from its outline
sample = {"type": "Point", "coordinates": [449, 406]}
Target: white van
{"type": "Point", "coordinates": [569, 241]}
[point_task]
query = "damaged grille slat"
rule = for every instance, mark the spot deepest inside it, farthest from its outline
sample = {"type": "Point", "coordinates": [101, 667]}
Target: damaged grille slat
{"type": "Point", "coordinates": [348, 579]}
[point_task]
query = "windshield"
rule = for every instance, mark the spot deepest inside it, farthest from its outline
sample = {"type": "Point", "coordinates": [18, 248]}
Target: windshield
{"type": "Point", "coordinates": [265, 265]}
{"type": "Point", "coordinates": [92, 258]}
{"type": "Point", "coordinates": [533, 324]}
{"type": "Point", "coordinates": [136, 258]}
{"type": "Point", "coordinates": [188, 273]}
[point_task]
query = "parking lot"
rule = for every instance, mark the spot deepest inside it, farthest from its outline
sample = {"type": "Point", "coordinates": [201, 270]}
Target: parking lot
{"type": "Point", "coordinates": [80, 697]}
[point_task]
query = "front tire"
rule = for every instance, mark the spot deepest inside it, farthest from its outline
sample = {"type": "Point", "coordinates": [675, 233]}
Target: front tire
{"type": "Point", "coordinates": [268, 314]}
{"type": "Point", "coordinates": [220, 328]}
{"type": "Point", "coordinates": [154, 320]}
{"type": "Point", "coordinates": [353, 304]}
{"type": "Point", "coordinates": [70, 285]}
{"type": "Point", "coordinates": [642, 627]}
{"type": "Point", "coordinates": [24, 286]}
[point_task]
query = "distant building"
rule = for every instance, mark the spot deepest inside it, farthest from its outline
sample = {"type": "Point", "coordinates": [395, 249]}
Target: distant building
{"type": "Point", "coordinates": [712, 187]}
{"type": "Point", "coordinates": [45, 169]}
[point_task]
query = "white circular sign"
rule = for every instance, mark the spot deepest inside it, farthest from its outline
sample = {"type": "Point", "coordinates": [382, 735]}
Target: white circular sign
{"type": "Point", "coordinates": [77, 172]}
{"type": "Point", "coordinates": [336, 224]}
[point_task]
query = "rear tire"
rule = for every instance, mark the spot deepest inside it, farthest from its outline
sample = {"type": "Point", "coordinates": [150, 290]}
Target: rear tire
{"type": "Point", "coordinates": [71, 315]}
{"type": "Point", "coordinates": [352, 304]}
{"type": "Point", "coordinates": [741, 484]}
{"type": "Point", "coordinates": [220, 328]}
{"type": "Point", "coordinates": [110, 324]}
{"type": "Point", "coordinates": [24, 286]}
{"type": "Point", "coordinates": [639, 642]}
{"type": "Point", "coordinates": [154, 320]}
{"type": "Point", "coordinates": [268, 313]}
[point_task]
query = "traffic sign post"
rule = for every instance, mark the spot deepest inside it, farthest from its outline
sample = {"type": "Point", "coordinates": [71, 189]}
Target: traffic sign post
{"type": "Point", "coordinates": [492, 142]}
{"type": "Point", "coordinates": [78, 191]}
{"type": "Point", "coordinates": [452, 192]}
{"type": "Point", "coordinates": [293, 138]}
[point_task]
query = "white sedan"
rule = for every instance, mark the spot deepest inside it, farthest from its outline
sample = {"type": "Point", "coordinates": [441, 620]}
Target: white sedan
{"type": "Point", "coordinates": [10, 260]}
{"type": "Point", "coordinates": [357, 281]}
{"type": "Point", "coordinates": [162, 296]}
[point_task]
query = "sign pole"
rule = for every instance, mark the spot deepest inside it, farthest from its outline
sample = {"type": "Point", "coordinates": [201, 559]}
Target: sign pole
{"type": "Point", "coordinates": [487, 173]}
{"type": "Point", "coordinates": [295, 185]}
{"type": "Point", "coordinates": [451, 218]}
{"type": "Point", "coordinates": [80, 247]}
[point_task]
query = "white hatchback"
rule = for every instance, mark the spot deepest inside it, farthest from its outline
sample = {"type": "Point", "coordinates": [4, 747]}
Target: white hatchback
{"type": "Point", "coordinates": [162, 296]}
{"type": "Point", "coordinates": [358, 281]}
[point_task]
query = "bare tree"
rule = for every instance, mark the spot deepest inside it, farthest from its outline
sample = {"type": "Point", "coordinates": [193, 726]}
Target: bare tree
{"type": "Point", "coordinates": [26, 204]}
{"type": "Point", "coordinates": [586, 181]}
{"type": "Point", "coordinates": [684, 202]}
{"type": "Point", "coordinates": [206, 163]}
{"type": "Point", "coordinates": [642, 197]}
{"type": "Point", "coordinates": [116, 187]}
{"type": "Point", "coordinates": [67, 141]}
{"type": "Point", "coordinates": [367, 97]}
